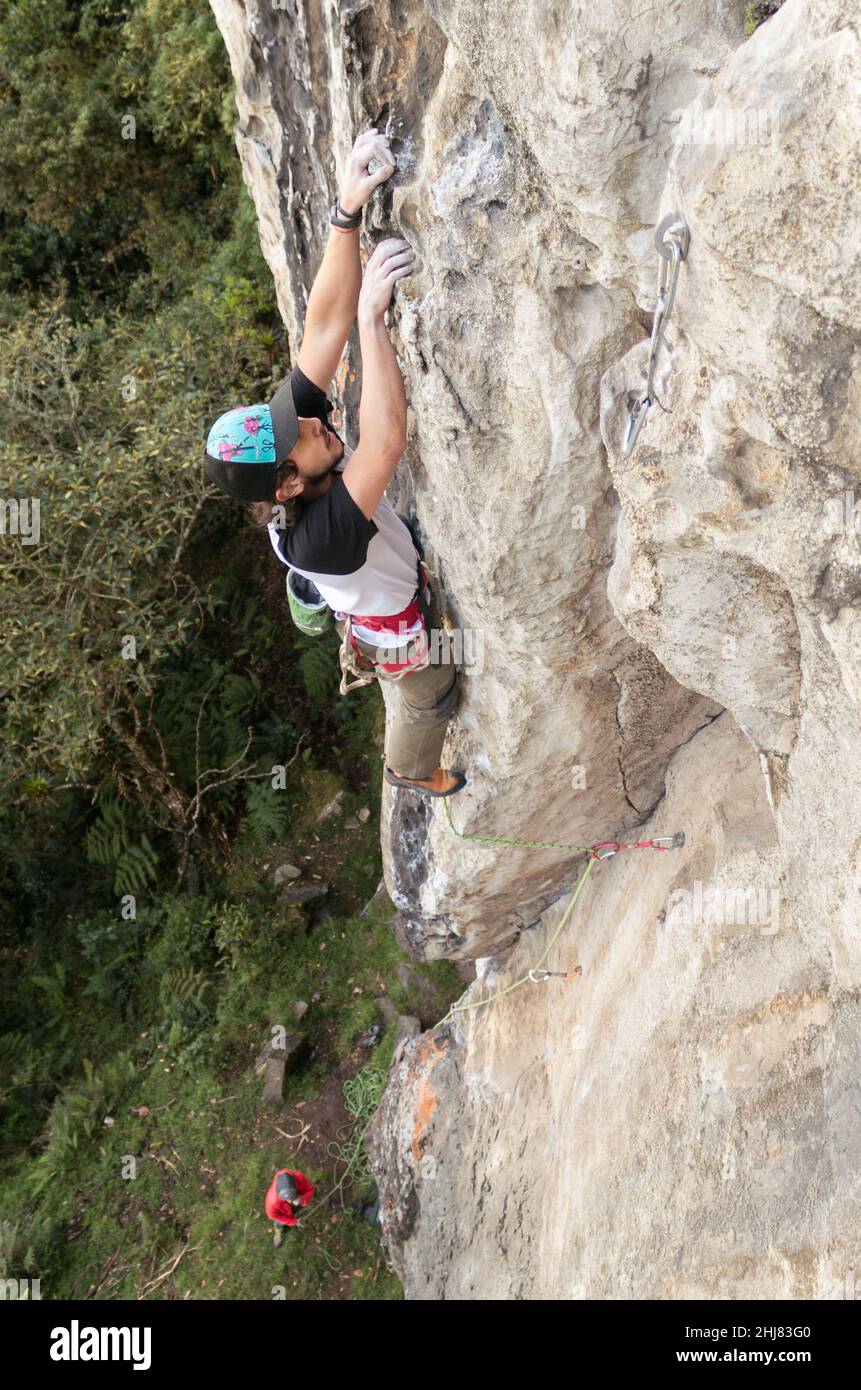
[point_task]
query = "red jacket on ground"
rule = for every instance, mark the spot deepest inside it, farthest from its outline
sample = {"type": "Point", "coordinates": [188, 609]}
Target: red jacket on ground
{"type": "Point", "coordinates": [281, 1211]}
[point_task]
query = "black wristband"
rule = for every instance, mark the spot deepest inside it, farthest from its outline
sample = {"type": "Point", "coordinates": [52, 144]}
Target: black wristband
{"type": "Point", "coordinates": [339, 218]}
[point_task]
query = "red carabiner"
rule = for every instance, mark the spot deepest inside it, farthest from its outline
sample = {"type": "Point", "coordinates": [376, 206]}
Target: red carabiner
{"type": "Point", "coordinates": [611, 846]}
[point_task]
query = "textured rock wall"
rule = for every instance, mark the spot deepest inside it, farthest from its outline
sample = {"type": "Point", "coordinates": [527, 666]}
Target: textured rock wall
{"type": "Point", "coordinates": [684, 1118]}
{"type": "Point", "coordinates": [728, 563]}
{"type": "Point", "coordinates": [680, 1122]}
{"type": "Point", "coordinates": [503, 342]}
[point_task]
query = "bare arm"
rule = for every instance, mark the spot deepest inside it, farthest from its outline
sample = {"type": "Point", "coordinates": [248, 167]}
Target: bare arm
{"type": "Point", "coordinates": [383, 407]}
{"type": "Point", "coordinates": [334, 295]}
{"type": "Point", "coordinates": [331, 308]}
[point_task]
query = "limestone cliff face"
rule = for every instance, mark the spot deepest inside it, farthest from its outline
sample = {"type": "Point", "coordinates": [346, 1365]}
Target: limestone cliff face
{"type": "Point", "coordinates": [682, 1119]}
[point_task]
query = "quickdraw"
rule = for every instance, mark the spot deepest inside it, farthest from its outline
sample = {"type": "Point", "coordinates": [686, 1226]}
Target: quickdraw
{"type": "Point", "coordinates": [597, 853]}
{"type": "Point", "coordinates": [605, 849]}
{"type": "Point", "coordinates": [672, 239]}
{"type": "Point", "coordinates": [608, 847]}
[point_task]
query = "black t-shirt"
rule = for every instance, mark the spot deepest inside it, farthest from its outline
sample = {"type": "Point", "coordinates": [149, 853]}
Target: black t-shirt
{"type": "Point", "coordinates": [358, 565]}
{"type": "Point", "coordinates": [332, 534]}
{"type": "Point", "coordinates": [310, 400]}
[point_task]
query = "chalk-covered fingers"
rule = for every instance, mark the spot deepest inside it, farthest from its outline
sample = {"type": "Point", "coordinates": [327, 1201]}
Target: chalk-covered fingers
{"type": "Point", "coordinates": [390, 261]}
{"type": "Point", "coordinates": [359, 183]}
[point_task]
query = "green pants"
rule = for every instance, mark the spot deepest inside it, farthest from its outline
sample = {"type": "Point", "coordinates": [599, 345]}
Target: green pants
{"type": "Point", "coordinates": [424, 702]}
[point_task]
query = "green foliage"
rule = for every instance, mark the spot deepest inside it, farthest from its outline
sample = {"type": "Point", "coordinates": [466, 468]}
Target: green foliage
{"type": "Point", "coordinates": [202, 711]}
{"type": "Point", "coordinates": [17, 1064]}
{"type": "Point", "coordinates": [232, 603]}
{"type": "Point", "coordinates": [209, 714]}
{"type": "Point", "coordinates": [135, 306]}
{"type": "Point", "coordinates": [185, 994]}
{"type": "Point", "coordinates": [111, 947]}
{"type": "Point", "coordinates": [130, 131]}
{"type": "Point", "coordinates": [756, 12]}
{"type": "Point", "coordinates": [27, 1246]}
{"type": "Point", "coordinates": [354, 1018]}
{"type": "Point", "coordinates": [210, 977]}
{"type": "Point", "coordinates": [144, 292]}
{"type": "Point", "coordinates": [108, 843]}
{"type": "Point", "coordinates": [98, 605]}
{"type": "Point", "coordinates": [181, 933]}
{"type": "Point", "coordinates": [317, 666]}
{"type": "Point", "coordinates": [74, 1115]}
{"type": "Point", "coordinates": [236, 934]}
{"type": "Point", "coordinates": [267, 814]}
{"type": "Point", "coordinates": [54, 986]}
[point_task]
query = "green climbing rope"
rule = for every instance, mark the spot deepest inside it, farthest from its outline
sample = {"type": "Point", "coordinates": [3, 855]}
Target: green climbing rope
{"type": "Point", "coordinates": [362, 1095]}
{"type": "Point", "coordinates": [479, 1003]}
{"type": "Point", "coordinates": [604, 849]}
{"type": "Point", "coordinates": [527, 844]}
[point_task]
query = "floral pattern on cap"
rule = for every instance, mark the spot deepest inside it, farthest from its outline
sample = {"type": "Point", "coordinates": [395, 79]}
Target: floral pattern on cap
{"type": "Point", "coordinates": [243, 435]}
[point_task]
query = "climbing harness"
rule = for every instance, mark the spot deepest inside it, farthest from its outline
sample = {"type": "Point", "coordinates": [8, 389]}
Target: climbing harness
{"type": "Point", "coordinates": [602, 850]}
{"type": "Point", "coordinates": [355, 663]}
{"type": "Point", "coordinates": [672, 239]}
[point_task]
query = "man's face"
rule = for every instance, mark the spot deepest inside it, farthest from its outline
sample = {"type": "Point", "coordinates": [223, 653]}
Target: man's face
{"type": "Point", "coordinates": [315, 454]}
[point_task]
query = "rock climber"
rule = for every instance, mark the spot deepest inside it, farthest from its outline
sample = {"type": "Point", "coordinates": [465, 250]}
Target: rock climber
{"type": "Point", "coordinates": [289, 1189]}
{"type": "Point", "coordinates": [324, 503]}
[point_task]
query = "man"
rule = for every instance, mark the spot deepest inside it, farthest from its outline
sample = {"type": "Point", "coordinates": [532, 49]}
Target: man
{"type": "Point", "coordinates": [288, 1190]}
{"type": "Point", "coordinates": [325, 504]}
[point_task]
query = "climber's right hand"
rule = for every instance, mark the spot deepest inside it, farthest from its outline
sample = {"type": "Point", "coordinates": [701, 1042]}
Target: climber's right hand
{"type": "Point", "coordinates": [389, 262]}
{"type": "Point", "coordinates": [359, 183]}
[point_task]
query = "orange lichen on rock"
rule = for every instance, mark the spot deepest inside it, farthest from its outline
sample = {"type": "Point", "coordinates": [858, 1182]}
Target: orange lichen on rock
{"type": "Point", "coordinates": [426, 1054]}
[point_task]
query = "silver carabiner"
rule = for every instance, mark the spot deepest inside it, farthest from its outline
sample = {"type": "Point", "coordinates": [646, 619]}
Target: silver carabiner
{"type": "Point", "coordinates": [638, 414]}
{"type": "Point", "coordinates": [671, 841]}
{"type": "Point", "coordinates": [672, 228]}
{"type": "Point", "coordinates": [672, 239]}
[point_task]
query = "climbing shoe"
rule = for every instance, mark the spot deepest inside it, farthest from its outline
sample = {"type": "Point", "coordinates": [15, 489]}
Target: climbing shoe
{"type": "Point", "coordinates": [440, 783]}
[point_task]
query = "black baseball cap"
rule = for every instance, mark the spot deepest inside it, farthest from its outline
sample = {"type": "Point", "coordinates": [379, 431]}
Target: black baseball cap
{"type": "Point", "coordinates": [247, 445]}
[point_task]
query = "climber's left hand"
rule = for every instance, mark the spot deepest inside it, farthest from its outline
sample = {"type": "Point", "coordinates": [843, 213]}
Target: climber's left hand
{"type": "Point", "coordinates": [358, 184]}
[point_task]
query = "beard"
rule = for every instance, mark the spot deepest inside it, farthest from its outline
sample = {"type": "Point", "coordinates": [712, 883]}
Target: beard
{"type": "Point", "coordinates": [320, 478]}
{"type": "Point", "coordinates": [332, 466]}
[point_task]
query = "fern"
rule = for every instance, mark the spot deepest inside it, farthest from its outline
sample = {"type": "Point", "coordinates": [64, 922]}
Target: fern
{"type": "Point", "coordinates": [76, 1112]}
{"type": "Point", "coordinates": [109, 844]}
{"type": "Point", "coordinates": [267, 815]}
{"type": "Point", "coordinates": [315, 668]}
{"type": "Point", "coordinates": [185, 985]}
{"type": "Point", "coordinates": [136, 868]}
{"type": "Point", "coordinates": [244, 614]}
{"type": "Point", "coordinates": [274, 738]}
{"type": "Point", "coordinates": [54, 986]}
{"type": "Point", "coordinates": [239, 694]}
{"type": "Point", "coordinates": [18, 1067]}
{"type": "Point", "coordinates": [108, 837]}
{"type": "Point", "coordinates": [186, 997]}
